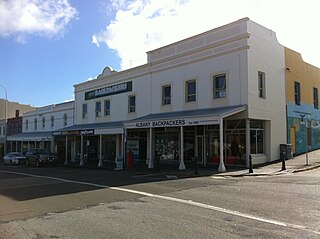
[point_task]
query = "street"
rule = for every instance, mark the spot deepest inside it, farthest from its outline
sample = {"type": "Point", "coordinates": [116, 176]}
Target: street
{"type": "Point", "coordinates": [87, 203]}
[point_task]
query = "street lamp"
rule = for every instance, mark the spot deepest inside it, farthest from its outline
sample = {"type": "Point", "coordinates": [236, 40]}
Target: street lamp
{"type": "Point", "coordinates": [5, 120]}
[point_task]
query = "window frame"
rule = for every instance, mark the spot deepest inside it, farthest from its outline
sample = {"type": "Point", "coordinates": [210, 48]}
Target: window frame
{"type": "Point", "coordinates": [131, 108]}
{"type": "Point", "coordinates": [190, 96]}
{"type": "Point", "coordinates": [52, 121]}
{"type": "Point", "coordinates": [166, 100]}
{"type": "Point", "coordinates": [216, 91]}
{"type": "Point", "coordinates": [84, 111]}
{"type": "Point", "coordinates": [98, 109]}
{"type": "Point", "coordinates": [43, 122]}
{"type": "Point", "coordinates": [297, 93]}
{"type": "Point", "coordinates": [35, 124]}
{"type": "Point", "coordinates": [107, 111]}
{"type": "Point", "coordinates": [315, 98]}
{"type": "Point", "coordinates": [65, 120]}
{"type": "Point", "coordinates": [261, 85]}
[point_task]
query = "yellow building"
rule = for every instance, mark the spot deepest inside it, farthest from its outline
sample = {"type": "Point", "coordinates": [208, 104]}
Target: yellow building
{"type": "Point", "coordinates": [302, 87]}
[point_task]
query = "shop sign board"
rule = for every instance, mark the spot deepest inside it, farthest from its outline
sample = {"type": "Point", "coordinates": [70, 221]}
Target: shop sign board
{"type": "Point", "coordinates": [173, 122]}
{"type": "Point", "coordinates": [73, 132]}
{"type": "Point", "coordinates": [109, 90]}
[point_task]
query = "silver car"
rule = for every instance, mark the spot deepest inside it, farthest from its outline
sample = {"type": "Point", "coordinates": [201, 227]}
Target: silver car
{"type": "Point", "coordinates": [14, 158]}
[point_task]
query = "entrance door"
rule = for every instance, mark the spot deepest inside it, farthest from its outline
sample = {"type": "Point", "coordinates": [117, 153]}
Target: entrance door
{"type": "Point", "coordinates": [200, 149]}
{"type": "Point", "coordinates": [293, 139]}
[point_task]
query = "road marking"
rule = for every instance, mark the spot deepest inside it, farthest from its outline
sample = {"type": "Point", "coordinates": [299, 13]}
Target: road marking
{"type": "Point", "coordinates": [173, 199]}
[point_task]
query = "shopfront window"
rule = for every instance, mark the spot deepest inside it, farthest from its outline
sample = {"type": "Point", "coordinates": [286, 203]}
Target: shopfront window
{"type": "Point", "coordinates": [167, 144]}
{"type": "Point", "coordinates": [257, 137]}
{"type": "Point", "coordinates": [234, 145]}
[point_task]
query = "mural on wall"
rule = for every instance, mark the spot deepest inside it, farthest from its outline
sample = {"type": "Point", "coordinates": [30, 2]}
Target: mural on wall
{"type": "Point", "coordinates": [298, 120]}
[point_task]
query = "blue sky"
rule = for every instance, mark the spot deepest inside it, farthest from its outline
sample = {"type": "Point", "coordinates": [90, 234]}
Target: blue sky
{"type": "Point", "coordinates": [47, 46]}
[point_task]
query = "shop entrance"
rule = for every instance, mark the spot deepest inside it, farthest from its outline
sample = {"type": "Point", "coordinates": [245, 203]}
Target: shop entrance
{"type": "Point", "coordinates": [200, 149]}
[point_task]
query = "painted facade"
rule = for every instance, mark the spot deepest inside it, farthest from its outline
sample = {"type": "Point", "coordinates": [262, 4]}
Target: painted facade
{"type": "Point", "coordinates": [38, 125]}
{"type": "Point", "coordinates": [224, 85]}
{"type": "Point", "coordinates": [302, 86]}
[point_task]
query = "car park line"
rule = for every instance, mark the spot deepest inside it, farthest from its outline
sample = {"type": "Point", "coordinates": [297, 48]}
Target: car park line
{"type": "Point", "coordinates": [173, 199]}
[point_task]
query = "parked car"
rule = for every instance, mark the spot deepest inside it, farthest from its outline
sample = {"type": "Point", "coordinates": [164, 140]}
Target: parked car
{"type": "Point", "coordinates": [14, 158]}
{"type": "Point", "coordinates": [40, 157]}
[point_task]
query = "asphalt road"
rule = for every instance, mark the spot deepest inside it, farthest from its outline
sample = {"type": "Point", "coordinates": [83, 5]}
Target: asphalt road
{"type": "Point", "coordinates": [41, 203]}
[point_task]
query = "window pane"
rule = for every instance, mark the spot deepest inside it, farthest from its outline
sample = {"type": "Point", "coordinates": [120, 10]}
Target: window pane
{"type": "Point", "coordinates": [98, 109]}
{"type": "Point", "coordinates": [191, 91]}
{"type": "Point", "coordinates": [132, 104]}
{"type": "Point", "coordinates": [219, 85]}
{"type": "Point", "coordinates": [107, 107]}
{"type": "Point", "coordinates": [315, 98]}
{"type": "Point", "coordinates": [166, 95]}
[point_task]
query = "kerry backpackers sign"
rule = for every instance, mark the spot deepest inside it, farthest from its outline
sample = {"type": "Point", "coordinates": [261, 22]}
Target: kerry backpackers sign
{"type": "Point", "coordinates": [110, 90]}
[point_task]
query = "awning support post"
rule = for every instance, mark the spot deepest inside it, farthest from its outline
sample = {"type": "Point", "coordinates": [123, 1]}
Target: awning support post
{"type": "Point", "coordinates": [150, 164]}
{"type": "Point", "coordinates": [66, 155]}
{"type": "Point", "coordinates": [222, 167]}
{"type": "Point", "coordinates": [81, 152]}
{"type": "Point", "coordinates": [100, 164]}
{"type": "Point", "coordinates": [182, 166]}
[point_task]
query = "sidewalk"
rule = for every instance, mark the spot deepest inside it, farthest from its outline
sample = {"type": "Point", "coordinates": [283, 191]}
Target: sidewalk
{"type": "Point", "coordinates": [297, 164]}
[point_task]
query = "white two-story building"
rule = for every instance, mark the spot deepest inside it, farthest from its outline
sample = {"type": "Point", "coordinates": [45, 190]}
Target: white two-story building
{"type": "Point", "coordinates": [38, 125]}
{"type": "Point", "coordinates": [215, 97]}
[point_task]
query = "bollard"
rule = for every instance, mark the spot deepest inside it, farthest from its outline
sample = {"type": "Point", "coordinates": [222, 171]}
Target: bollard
{"type": "Point", "coordinates": [283, 160]}
{"type": "Point", "coordinates": [250, 164]}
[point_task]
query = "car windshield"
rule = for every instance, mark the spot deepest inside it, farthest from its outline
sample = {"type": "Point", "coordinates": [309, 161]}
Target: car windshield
{"type": "Point", "coordinates": [42, 151]}
{"type": "Point", "coordinates": [16, 155]}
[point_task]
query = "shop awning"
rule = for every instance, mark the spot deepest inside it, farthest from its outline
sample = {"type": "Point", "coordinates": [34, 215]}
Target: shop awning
{"type": "Point", "coordinates": [209, 116]}
{"type": "Point", "coordinates": [32, 136]}
{"type": "Point", "coordinates": [91, 129]}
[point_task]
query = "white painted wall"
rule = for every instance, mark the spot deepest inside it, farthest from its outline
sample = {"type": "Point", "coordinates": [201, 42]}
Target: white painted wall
{"type": "Point", "coordinates": [267, 55]}
{"type": "Point", "coordinates": [57, 111]}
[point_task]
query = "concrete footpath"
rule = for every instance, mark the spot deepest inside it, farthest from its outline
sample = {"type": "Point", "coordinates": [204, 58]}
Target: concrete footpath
{"type": "Point", "coordinates": [297, 164]}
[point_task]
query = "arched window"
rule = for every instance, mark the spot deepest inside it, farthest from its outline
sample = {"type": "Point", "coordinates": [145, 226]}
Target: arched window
{"type": "Point", "coordinates": [52, 121]}
{"type": "Point", "coordinates": [43, 122]}
{"type": "Point", "coordinates": [65, 120]}
{"type": "Point", "coordinates": [35, 124]}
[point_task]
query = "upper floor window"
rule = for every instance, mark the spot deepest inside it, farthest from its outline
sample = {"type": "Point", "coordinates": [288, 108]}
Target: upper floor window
{"type": "Point", "coordinates": [98, 108]}
{"type": "Point", "coordinates": [261, 85]}
{"type": "Point", "coordinates": [297, 97]}
{"type": "Point", "coordinates": [166, 95]}
{"type": "Point", "coordinates": [219, 86]}
{"type": "Point", "coordinates": [315, 98]}
{"type": "Point", "coordinates": [43, 122]}
{"type": "Point", "coordinates": [65, 120]}
{"type": "Point", "coordinates": [52, 121]}
{"type": "Point", "coordinates": [132, 104]}
{"type": "Point", "coordinates": [0, 130]}
{"type": "Point", "coordinates": [191, 91]}
{"type": "Point", "coordinates": [107, 107]}
{"type": "Point", "coordinates": [27, 124]}
{"type": "Point", "coordinates": [84, 111]}
{"type": "Point", "coordinates": [35, 124]}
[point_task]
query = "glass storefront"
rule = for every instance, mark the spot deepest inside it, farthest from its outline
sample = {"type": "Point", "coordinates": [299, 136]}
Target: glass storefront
{"type": "Point", "coordinates": [234, 146]}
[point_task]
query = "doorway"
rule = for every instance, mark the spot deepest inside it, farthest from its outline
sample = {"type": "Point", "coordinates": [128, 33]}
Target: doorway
{"type": "Point", "coordinates": [293, 139]}
{"type": "Point", "coordinates": [200, 149]}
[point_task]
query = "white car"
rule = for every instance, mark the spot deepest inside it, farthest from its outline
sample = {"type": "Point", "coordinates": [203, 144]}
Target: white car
{"type": "Point", "coordinates": [14, 158]}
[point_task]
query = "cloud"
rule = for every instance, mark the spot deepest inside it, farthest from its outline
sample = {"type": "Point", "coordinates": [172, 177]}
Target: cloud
{"type": "Point", "coordinates": [21, 18]}
{"type": "Point", "coordinates": [142, 25]}
{"type": "Point", "coordinates": [95, 40]}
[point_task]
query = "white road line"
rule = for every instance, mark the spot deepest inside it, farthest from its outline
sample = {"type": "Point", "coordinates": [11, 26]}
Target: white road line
{"type": "Point", "coordinates": [178, 200]}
